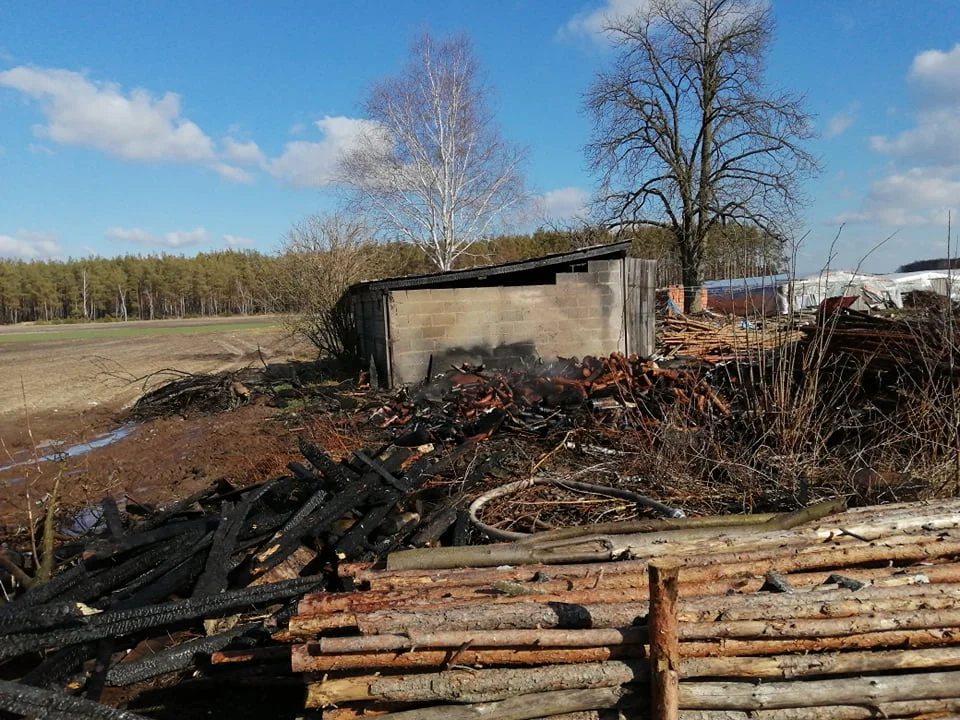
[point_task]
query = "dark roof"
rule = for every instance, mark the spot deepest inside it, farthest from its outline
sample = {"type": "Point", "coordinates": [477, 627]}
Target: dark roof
{"type": "Point", "coordinates": [595, 252]}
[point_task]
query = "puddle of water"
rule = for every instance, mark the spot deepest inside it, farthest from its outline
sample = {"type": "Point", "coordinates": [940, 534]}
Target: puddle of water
{"type": "Point", "coordinates": [89, 519]}
{"type": "Point", "coordinates": [79, 449]}
{"type": "Point", "coordinates": [20, 480]}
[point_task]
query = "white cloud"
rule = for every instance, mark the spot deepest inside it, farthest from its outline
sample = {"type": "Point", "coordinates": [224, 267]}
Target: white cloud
{"type": "Point", "coordinates": [936, 75]}
{"type": "Point", "coordinates": [920, 196]}
{"type": "Point", "coordinates": [242, 153]}
{"type": "Point", "coordinates": [923, 184]}
{"type": "Point", "coordinates": [29, 245]}
{"type": "Point", "coordinates": [235, 241]}
{"type": "Point", "coordinates": [563, 204]}
{"type": "Point", "coordinates": [232, 173]}
{"type": "Point", "coordinates": [935, 140]}
{"type": "Point", "coordinates": [40, 149]}
{"type": "Point", "coordinates": [842, 121]}
{"type": "Point", "coordinates": [136, 126]}
{"type": "Point", "coordinates": [175, 239]}
{"type": "Point", "coordinates": [306, 164]}
{"type": "Point", "coordinates": [594, 23]}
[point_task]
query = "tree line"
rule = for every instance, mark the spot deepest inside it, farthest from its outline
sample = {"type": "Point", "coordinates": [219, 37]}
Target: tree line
{"type": "Point", "coordinates": [230, 282]}
{"type": "Point", "coordinates": [134, 287]}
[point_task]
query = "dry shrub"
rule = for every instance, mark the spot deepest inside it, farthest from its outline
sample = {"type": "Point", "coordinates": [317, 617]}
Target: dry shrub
{"type": "Point", "coordinates": [323, 256]}
{"type": "Point", "coordinates": [808, 422]}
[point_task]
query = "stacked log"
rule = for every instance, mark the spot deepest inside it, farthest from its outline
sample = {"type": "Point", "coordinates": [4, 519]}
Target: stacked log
{"type": "Point", "coordinates": [836, 618]}
{"type": "Point", "coordinates": [682, 335]}
{"type": "Point", "coordinates": [921, 345]}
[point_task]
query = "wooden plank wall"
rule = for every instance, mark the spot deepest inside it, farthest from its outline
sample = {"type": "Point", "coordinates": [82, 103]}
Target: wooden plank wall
{"type": "Point", "coordinates": [640, 279]}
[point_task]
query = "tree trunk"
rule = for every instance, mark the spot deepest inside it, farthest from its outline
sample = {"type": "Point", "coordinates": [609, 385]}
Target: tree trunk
{"type": "Point", "coordinates": [909, 708]}
{"type": "Point", "coordinates": [868, 690]}
{"type": "Point", "coordinates": [788, 667]}
{"type": "Point", "coordinates": [484, 620]}
{"type": "Point", "coordinates": [473, 686]}
{"type": "Point", "coordinates": [86, 311]}
{"type": "Point", "coordinates": [691, 271]}
{"type": "Point", "coordinates": [304, 658]}
{"type": "Point", "coordinates": [664, 639]}
{"type": "Point", "coordinates": [522, 707]}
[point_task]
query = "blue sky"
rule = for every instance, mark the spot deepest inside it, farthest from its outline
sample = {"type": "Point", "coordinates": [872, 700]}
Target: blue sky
{"type": "Point", "coordinates": [184, 126]}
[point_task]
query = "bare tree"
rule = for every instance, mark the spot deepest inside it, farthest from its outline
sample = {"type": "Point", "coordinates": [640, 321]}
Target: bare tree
{"type": "Point", "coordinates": [687, 137]}
{"type": "Point", "coordinates": [434, 170]}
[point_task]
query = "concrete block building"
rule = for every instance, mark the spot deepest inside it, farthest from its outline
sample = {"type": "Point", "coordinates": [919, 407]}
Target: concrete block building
{"type": "Point", "coordinates": [592, 301]}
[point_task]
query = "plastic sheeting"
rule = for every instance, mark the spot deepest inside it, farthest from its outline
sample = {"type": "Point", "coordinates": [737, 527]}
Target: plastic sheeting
{"type": "Point", "coordinates": [937, 281]}
{"type": "Point", "coordinates": [806, 293]}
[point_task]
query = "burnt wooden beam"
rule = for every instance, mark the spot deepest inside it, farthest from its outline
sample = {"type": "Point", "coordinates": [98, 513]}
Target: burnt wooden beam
{"type": "Point", "coordinates": [335, 472]}
{"type": "Point", "coordinates": [175, 658]}
{"type": "Point", "coordinates": [54, 705]}
{"type": "Point", "coordinates": [111, 516]}
{"type": "Point", "coordinates": [117, 623]}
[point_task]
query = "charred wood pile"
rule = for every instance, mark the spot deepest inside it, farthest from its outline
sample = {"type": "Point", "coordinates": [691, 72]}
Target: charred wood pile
{"type": "Point", "coordinates": [197, 394]}
{"type": "Point", "coordinates": [353, 584]}
{"type": "Point", "coordinates": [617, 391]}
{"type": "Point", "coordinates": [156, 591]}
{"type": "Point", "coordinates": [927, 345]}
{"type": "Point", "coordinates": [843, 616]}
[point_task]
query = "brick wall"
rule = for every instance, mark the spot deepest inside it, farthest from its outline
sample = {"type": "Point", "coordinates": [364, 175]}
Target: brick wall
{"type": "Point", "coordinates": [675, 293]}
{"type": "Point", "coordinates": [502, 326]}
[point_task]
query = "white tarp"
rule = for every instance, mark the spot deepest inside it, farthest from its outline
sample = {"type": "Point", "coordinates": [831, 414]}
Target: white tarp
{"type": "Point", "coordinates": [938, 281]}
{"type": "Point", "coordinates": [873, 291]}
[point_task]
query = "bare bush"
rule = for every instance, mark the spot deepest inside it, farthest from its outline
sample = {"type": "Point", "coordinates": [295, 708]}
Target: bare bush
{"type": "Point", "coordinates": [325, 255]}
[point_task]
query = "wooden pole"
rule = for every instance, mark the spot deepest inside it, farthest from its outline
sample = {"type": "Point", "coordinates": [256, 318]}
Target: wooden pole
{"type": "Point", "coordinates": [664, 639]}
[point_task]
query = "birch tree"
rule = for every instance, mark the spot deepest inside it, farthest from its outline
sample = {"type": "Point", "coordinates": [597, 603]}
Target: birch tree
{"type": "Point", "coordinates": [434, 170]}
{"type": "Point", "coordinates": [687, 137]}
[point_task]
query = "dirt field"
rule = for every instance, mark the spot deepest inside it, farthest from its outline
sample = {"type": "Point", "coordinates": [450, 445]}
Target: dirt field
{"type": "Point", "coordinates": [72, 368]}
{"type": "Point", "coordinates": [63, 386]}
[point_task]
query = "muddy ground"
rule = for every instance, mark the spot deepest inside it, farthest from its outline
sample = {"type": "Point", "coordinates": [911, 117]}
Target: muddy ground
{"type": "Point", "coordinates": [75, 423]}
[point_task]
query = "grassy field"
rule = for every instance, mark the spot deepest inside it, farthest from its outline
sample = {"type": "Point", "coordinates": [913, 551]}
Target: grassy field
{"type": "Point", "coordinates": [70, 368]}
{"type": "Point", "coordinates": [138, 328]}
{"type": "Point", "coordinates": [69, 333]}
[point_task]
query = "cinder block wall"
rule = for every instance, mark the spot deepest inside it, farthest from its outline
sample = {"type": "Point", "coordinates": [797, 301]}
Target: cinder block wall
{"type": "Point", "coordinates": [583, 314]}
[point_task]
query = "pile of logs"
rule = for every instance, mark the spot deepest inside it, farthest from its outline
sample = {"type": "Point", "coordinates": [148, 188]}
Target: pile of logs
{"type": "Point", "coordinates": [617, 390]}
{"type": "Point", "coordinates": [852, 615]}
{"type": "Point", "coordinates": [682, 335]}
{"type": "Point", "coordinates": [925, 345]}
